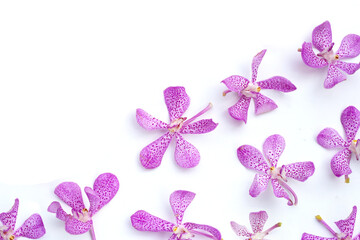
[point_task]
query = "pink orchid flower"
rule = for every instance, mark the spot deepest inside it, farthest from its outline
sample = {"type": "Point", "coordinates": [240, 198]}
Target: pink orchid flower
{"type": "Point", "coordinates": [80, 221]}
{"type": "Point", "coordinates": [267, 169]}
{"type": "Point", "coordinates": [248, 90]}
{"type": "Point", "coordinates": [33, 227]}
{"type": "Point", "coordinates": [257, 221]}
{"type": "Point", "coordinates": [329, 138]}
{"type": "Point", "coordinates": [186, 155]}
{"type": "Point", "coordinates": [346, 229]}
{"type": "Point", "coordinates": [179, 201]}
{"type": "Point", "coordinates": [322, 41]}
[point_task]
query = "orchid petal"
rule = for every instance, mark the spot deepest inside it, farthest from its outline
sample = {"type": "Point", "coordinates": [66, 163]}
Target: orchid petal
{"type": "Point", "coordinates": [263, 104]}
{"type": "Point", "coordinates": [149, 122]}
{"type": "Point", "coordinates": [322, 36]}
{"type": "Point", "coordinates": [255, 64]}
{"type": "Point", "coordinates": [349, 47]}
{"type": "Point", "coordinates": [340, 163]}
{"type": "Point", "coordinates": [279, 191]}
{"type": "Point", "coordinates": [347, 226]}
{"type": "Point", "coordinates": [350, 119]}
{"type": "Point", "coordinates": [199, 127]}
{"type": "Point", "coordinates": [349, 68]}
{"type": "Point", "coordinates": [307, 236]}
{"type": "Point", "coordinates": [177, 101]}
{"type": "Point", "coordinates": [357, 237]}
{"type": "Point", "coordinates": [152, 154]}
{"type": "Point", "coordinates": [94, 200]}
{"type": "Point", "coordinates": [55, 207]}
{"type": "Point", "coordinates": [106, 186]}
{"type": "Point", "coordinates": [70, 193]}
{"type": "Point", "coordinates": [300, 170]}
{"type": "Point", "coordinates": [186, 155]}
{"type": "Point", "coordinates": [76, 227]}
{"type": "Point", "coordinates": [179, 201]}
{"type": "Point", "coordinates": [277, 83]}
{"type": "Point", "coordinates": [258, 220]}
{"type": "Point", "coordinates": [330, 138]}
{"type": "Point", "coordinates": [240, 230]}
{"type": "Point", "coordinates": [310, 58]}
{"type": "Point", "coordinates": [252, 158]}
{"type": "Point", "coordinates": [273, 148]}
{"type": "Point", "coordinates": [240, 110]}
{"type": "Point", "coordinates": [334, 76]}
{"type": "Point", "coordinates": [32, 228]}
{"type": "Point", "coordinates": [236, 83]}
{"type": "Point", "coordinates": [204, 229]}
{"type": "Point", "coordinates": [9, 218]}
{"type": "Point", "coordinates": [259, 184]}
{"type": "Point", "coordinates": [144, 221]}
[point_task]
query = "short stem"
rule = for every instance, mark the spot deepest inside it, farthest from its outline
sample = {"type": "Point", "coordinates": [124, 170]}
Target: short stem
{"type": "Point", "coordinates": [226, 92]}
{"type": "Point", "coordinates": [92, 232]}
{"type": "Point", "coordinates": [203, 234]}
{"type": "Point", "coordinates": [272, 228]}
{"type": "Point", "coordinates": [197, 115]}
{"type": "Point", "coordinates": [288, 188]}
{"type": "Point", "coordinates": [325, 225]}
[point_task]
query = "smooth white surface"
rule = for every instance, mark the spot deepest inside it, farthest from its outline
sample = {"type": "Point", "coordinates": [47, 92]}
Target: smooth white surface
{"type": "Point", "coordinates": [72, 74]}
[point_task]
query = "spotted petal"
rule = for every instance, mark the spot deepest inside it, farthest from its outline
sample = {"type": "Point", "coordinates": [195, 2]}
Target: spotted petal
{"type": "Point", "coordinates": [252, 158]}
{"type": "Point", "coordinates": [350, 46]}
{"type": "Point", "coordinates": [259, 184]}
{"type": "Point", "coordinates": [334, 76]}
{"type": "Point", "coordinates": [179, 201]}
{"type": "Point", "coordinates": [105, 186]}
{"type": "Point", "coordinates": [340, 163]}
{"type": "Point", "coordinates": [307, 236]}
{"type": "Point", "coordinates": [357, 237]}
{"type": "Point", "coordinates": [279, 191]}
{"type": "Point", "coordinates": [144, 221]}
{"type": "Point", "coordinates": [330, 138]}
{"type": "Point", "coordinates": [9, 218]}
{"type": "Point", "coordinates": [70, 193]}
{"type": "Point", "coordinates": [204, 230]}
{"type": "Point", "coordinates": [55, 207]}
{"type": "Point", "coordinates": [277, 83]}
{"type": "Point", "coordinates": [300, 170]}
{"type": "Point", "coordinates": [310, 58]}
{"type": "Point", "coordinates": [350, 119]}
{"type": "Point", "coordinates": [240, 230]}
{"type": "Point", "coordinates": [147, 121]}
{"type": "Point", "coordinates": [349, 68]}
{"type": "Point", "coordinates": [199, 127]}
{"type": "Point", "coordinates": [240, 110]}
{"type": "Point", "coordinates": [263, 104]}
{"type": "Point", "coordinates": [258, 220]}
{"type": "Point", "coordinates": [177, 101]}
{"type": "Point", "coordinates": [322, 36]}
{"type": "Point", "coordinates": [152, 154]}
{"type": "Point", "coordinates": [75, 226]}
{"type": "Point", "coordinates": [94, 200]}
{"type": "Point", "coordinates": [236, 83]}
{"type": "Point", "coordinates": [186, 155]}
{"type": "Point", "coordinates": [273, 148]}
{"type": "Point", "coordinates": [32, 228]}
{"type": "Point", "coordinates": [347, 226]}
{"type": "Point", "coordinates": [255, 64]}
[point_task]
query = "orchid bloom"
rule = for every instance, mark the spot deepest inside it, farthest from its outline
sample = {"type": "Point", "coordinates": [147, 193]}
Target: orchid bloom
{"type": "Point", "coordinates": [33, 227]}
{"type": "Point", "coordinates": [346, 229]}
{"type": "Point", "coordinates": [322, 41]}
{"type": "Point", "coordinates": [248, 90]}
{"type": "Point", "coordinates": [329, 138]}
{"type": "Point", "coordinates": [267, 169]}
{"type": "Point", "coordinates": [186, 155]}
{"type": "Point", "coordinates": [179, 201]}
{"type": "Point", "coordinates": [257, 221]}
{"type": "Point", "coordinates": [105, 188]}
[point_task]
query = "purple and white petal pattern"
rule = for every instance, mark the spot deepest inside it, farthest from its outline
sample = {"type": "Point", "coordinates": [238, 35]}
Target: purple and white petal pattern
{"type": "Point", "coordinates": [340, 163]}
{"type": "Point", "coordinates": [177, 101]}
{"type": "Point", "coordinates": [350, 119]}
{"type": "Point", "coordinates": [201, 229]}
{"type": "Point", "coordinates": [32, 228]}
{"type": "Point", "coordinates": [255, 64]}
{"type": "Point", "coordinates": [273, 148]}
{"type": "Point", "coordinates": [347, 226]}
{"type": "Point", "coordinates": [277, 83]}
{"type": "Point", "coordinates": [152, 154]}
{"type": "Point", "coordinates": [334, 76]}
{"type": "Point", "coordinates": [349, 68]}
{"type": "Point", "coordinates": [236, 83]}
{"type": "Point", "coordinates": [259, 184]}
{"type": "Point", "coordinates": [279, 191]}
{"type": "Point", "coordinates": [258, 220]}
{"type": "Point", "coordinates": [263, 104]}
{"type": "Point", "coordinates": [310, 58]}
{"type": "Point", "coordinates": [349, 47]}
{"type": "Point", "coordinates": [322, 36]}
{"type": "Point", "coordinates": [76, 227]}
{"type": "Point", "coordinates": [199, 127]}
{"type": "Point", "coordinates": [186, 155]}
{"type": "Point", "coordinates": [179, 201]}
{"type": "Point", "coordinates": [144, 221]}
{"type": "Point", "coordinates": [70, 193]}
{"type": "Point", "coordinates": [55, 207]}
{"type": "Point", "coordinates": [149, 122]}
{"type": "Point", "coordinates": [239, 111]}
{"type": "Point", "coordinates": [94, 200]}
{"type": "Point", "coordinates": [330, 138]}
{"type": "Point", "coordinates": [300, 170]}
{"type": "Point", "coordinates": [307, 236]}
{"type": "Point", "coordinates": [9, 218]}
{"type": "Point", "coordinates": [252, 158]}
{"type": "Point", "coordinates": [240, 230]}
{"type": "Point", "coordinates": [106, 186]}
{"type": "Point", "coordinates": [357, 237]}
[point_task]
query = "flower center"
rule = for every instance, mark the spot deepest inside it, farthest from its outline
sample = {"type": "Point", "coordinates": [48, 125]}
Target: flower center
{"type": "Point", "coordinates": [251, 90]}
{"type": "Point", "coordinates": [6, 233]}
{"type": "Point", "coordinates": [355, 148]}
{"type": "Point", "coordinates": [83, 216]}
{"type": "Point", "coordinates": [177, 124]}
{"type": "Point", "coordinates": [278, 173]}
{"type": "Point", "coordinates": [258, 236]}
{"type": "Point", "coordinates": [182, 233]}
{"type": "Point", "coordinates": [328, 54]}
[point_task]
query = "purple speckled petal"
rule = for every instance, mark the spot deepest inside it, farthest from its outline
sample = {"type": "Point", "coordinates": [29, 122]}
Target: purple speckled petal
{"type": "Point", "coordinates": [357, 237]}
{"type": "Point", "coordinates": [350, 119]}
{"type": "Point", "coordinates": [340, 163]}
{"type": "Point", "coordinates": [307, 236]}
{"type": "Point", "coordinates": [310, 58]}
{"type": "Point", "coordinates": [259, 184]}
{"type": "Point", "coordinates": [177, 101]}
{"type": "Point", "coordinates": [349, 68]}
{"type": "Point", "coordinates": [255, 64]}
{"type": "Point", "coordinates": [252, 158]}
{"type": "Point", "coordinates": [347, 226]}
{"type": "Point", "coordinates": [277, 83]}
{"type": "Point", "coordinates": [273, 148]}
{"type": "Point", "coordinates": [263, 104]}
{"type": "Point", "coordinates": [240, 110]}
{"type": "Point", "coordinates": [70, 193]}
{"type": "Point", "coordinates": [203, 230]}
{"type": "Point", "coordinates": [236, 83]}
{"type": "Point", "coordinates": [179, 201]}
{"type": "Point", "coordinates": [147, 121]}
{"type": "Point", "coordinates": [350, 46]}
{"type": "Point", "coordinates": [300, 170]}
{"type": "Point", "coordinates": [330, 138]}
{"type": "Point", "coordinates": [94, 200]}
{"type": "Point", "coordinates": [258, 220]}
{"type": "Point", "coordinates": [75, 226]}
{"type": "Point", "coordinates": [334, 76]}
{"type": "Point", "coordinates": [152, 154]}
{"type": "Point", "coordinates": [202, 126]}
{"type": "Point", "coordinates": [144, 221]}
{"type": "Point", "coordinates": [32, 228]}
{"type": "Point", "coordinates": [322, 36]}
{"type": "Point", "coordinates": [9, 218]}
{"type": "Point", "coordinates": [279, 191]}
{"type": "Point", "coordinates": [186, 155]}
{"type": "Point", "coordinates": [240, 230]}
{"type": "Point", "coordinates": [55, 207]}
{"type": "Point", "coordinates": [106, 186]}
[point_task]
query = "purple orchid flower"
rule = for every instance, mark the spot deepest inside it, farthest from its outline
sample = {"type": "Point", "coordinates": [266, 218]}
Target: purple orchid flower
{"type": "Point", "coordinates": [179, 201]}
{"type": "Point", "coordinates": [257, 221]}
{"type": "Point", "coordinates": [105, 188]}
{"type": "Point", "coordinates": [346, 229]}
{"type": "Point", "coordinates": [186, 155]}
{"type": "Point", "coordinates": [248, 90]}
{"type": "Point", "coordinates": [267, 169]}
{"type": "Point", "coordinates": [329, 138]}
{"type": "Point", "coordinates": [322, 41]}
{"type": "Point", "coordinates": [33, 227]}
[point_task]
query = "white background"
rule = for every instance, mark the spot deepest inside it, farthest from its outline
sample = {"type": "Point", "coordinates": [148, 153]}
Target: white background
{"type": "Point", "coordinates": [72, 74]}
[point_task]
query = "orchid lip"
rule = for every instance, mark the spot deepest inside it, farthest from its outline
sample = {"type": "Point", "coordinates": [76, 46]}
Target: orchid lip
{"type": "Point", "coordinates": [251, 90]}
{"type": "Point", "coordinates": [279, 174]}
{"type": "Point", "coordinates": [339, 236]}
{"type": "Point", "coordinates": [355, 148]}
